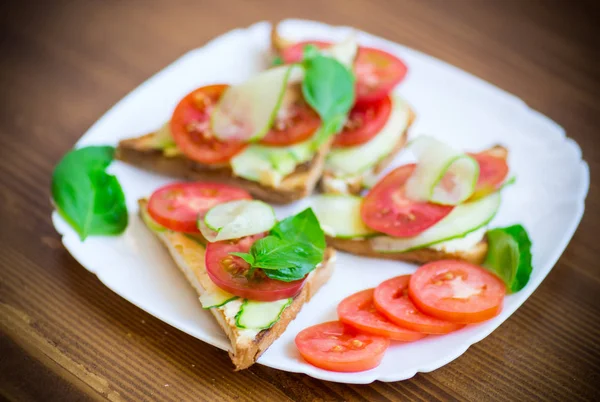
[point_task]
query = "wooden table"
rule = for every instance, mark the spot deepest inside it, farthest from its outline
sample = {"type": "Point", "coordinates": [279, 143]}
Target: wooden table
{"type": "Point", "coordinates": [67, 337]}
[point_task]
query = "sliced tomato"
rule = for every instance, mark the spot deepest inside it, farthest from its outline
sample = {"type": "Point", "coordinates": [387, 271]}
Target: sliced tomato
{"type": "Point", "coordinates": [295, 53]}
{"type": "Point", "coordinates": [364, 122]}
{"type": "Point", "coordinates": [391, 299]}
{"type": "Point", "coordinates": [335, 346]}
{"type": "Point", "coordinates": [457, 291]}
{"type": "Point", "coordinates": [493, 169]}
{"type": "Point", "coordinates": [177, 206]}
{"type": "Point", "coordinates": [231, 273]}
{"type": "Point", "coordinates": [297, 123]}
{"type": "Point", "coordinates": [358, 311]}
{"type": "Point", "coordinates": [190, 128]}
{"type": "Point", "coordinates": [377, 73]}
{"type": "Point", "coordinates": [387, 210]}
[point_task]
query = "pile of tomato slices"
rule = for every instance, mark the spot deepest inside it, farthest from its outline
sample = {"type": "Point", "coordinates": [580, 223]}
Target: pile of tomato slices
{"type": "Point", "coordinates": [178, 206]}
{"type": "Point", "coordinates": [191, 128]}
{"type": "Point", "coordinates": [438, 298]}
{"type": "Point", "coordinates": [387, 209]}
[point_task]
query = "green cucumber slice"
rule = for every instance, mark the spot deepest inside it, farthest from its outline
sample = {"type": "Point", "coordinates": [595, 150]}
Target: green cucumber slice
{"type": "Point", "coordinates": [443, 175]}
{"type": "Point", "coordinates": [236, 219]}
{"type": "Point", "coordinates": [246, 112]}
{"type": "Point", "coordinates": [351, 161]}
{"type": "Point", "coordinates": [151, 223]}
{"type": "Point", "coordinates": [217, 297]}
{"type": "Point", "coordinates": [339, 215]}
{"type": "Point", "coordinates": [260, 315]}
{"type": "Point", "coordinates": [269, 165]}
{"type": "Point", "coordinates": [344, 51]}
{"type": "Point", "coordinates": [463, 219]}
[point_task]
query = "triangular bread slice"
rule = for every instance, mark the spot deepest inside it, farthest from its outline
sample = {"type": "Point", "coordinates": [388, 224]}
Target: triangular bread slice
{"type": "Point", "coordinates": [188, 254]}
{"type": "Point", "coordinates": [142, 152]}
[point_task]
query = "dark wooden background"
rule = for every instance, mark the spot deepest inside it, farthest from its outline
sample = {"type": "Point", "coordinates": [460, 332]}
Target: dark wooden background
{"type": "Point", "coordinates": [64, 336]}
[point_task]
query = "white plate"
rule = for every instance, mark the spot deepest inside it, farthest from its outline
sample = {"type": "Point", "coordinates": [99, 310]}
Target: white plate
{"type": "Point", "coordinates": [451, 104]}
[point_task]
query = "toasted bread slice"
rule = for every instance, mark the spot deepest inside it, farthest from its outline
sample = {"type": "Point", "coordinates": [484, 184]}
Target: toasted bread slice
{"type": "Point", "coordinates": [355, 184]}
{"type": "Point", "coordinates": [188, 254]}
{"type": "Point", "coordinates": [140, 152]}
{"type": "Point", "coordinates": [363, 247]}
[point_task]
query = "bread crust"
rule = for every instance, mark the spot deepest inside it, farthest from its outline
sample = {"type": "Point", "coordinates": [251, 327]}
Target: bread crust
{"type": "Point", "coordinates": [297, 185]}
{"type": "Point", "coordinates": [355, 186]}
{"type": "Point", "coordinates": [188, 254]}
{"type": "Point", "coordinates": [363, 247]}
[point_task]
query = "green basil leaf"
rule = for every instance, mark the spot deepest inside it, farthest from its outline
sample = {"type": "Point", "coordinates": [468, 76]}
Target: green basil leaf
{"type": "Point", "coordinates": [303, 227]}
{"type": "Point", "coordinates": [328, 129]}
{"type": "Point", "coordinates": [287, 274]}
{"type": "Point", "coordinates": [244, 256]}
{"type": "Point", "coordinates": [509, 256]}
{"type": "Point", "coordinates": [272, 252]}
{"type": "Point", "coordinates": [309, 52]}
{"type": "Point", "coordinates": [87, 197]}
{"type": "Point", "coordinates": [328, 87]}
{"type": "Point", "coordinates": [294, 247]}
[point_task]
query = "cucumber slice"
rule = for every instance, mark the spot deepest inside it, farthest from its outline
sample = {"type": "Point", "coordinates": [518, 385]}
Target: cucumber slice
{"type": "Point", "coordinates": [352, 161]}
{"type": "Point", "coordinates": [463, 219]}
{"type": "Point", "coordinates": [260, 315]}
{"type": "Point", "coordinates": [151, 223]}
{"type": "Point", "coordinates": [217, 297]}
{"type": "Point", "coordinates": [246, 112]}
{"type": "Point", "coordinates": [344, 52]}
{"type": "Point", "coordinates": [240, 218]}
{"type": "Point", "coordinates": [443, 175]}
{"type": "Point", "coordinates": [339, 215]}
{"type": "Point", "coordinates": [269, 165]}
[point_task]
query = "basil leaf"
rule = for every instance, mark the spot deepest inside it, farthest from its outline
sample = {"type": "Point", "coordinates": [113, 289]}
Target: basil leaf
{"type": "Point", "coordinates": [294, 247]}
{"type": "Point", "coordinates": [287, 274]}
{"type": "Point", "coordinates": [509, 256]}
{"type": "Point", "coordinates": [309, 52]}
{"type": "Point", "coordinates": [301, 228]}
{"type": "Point", "coordinates": [87, 197]}
{"type": "Point", "coordinates": [328, 87]}
{"type": "Point", "coordinates": [272, 252]}
{"type": "Point", "coordinates": [244, 256]}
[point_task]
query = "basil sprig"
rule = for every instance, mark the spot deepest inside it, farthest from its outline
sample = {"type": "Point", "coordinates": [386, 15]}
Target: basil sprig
{"type": "Point", "coordinates": [328, 87]}
{"type": "Point", "coordinates": [87, 197]}
{"type": "Point", "coordinates": [293, 248]}
{"type": "Point", "coordinates": [509, 256]}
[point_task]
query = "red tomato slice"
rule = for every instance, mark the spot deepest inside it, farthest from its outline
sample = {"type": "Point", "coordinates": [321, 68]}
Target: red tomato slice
{"type": "Point", "coordinates": [295, 53]}
{"type": "Point", "coordinates": [377, 73]}
{"type": "Point", "coordinates": [364, 122]}
{"type": "Point", "coordinates": [492, 172]}
{"type": "Point", "coordinates": [457, 291]}
{"type": "Point", "coordinates": [335, 346]}
{"type": "Point", "coordinates": [230, 273]}
{"type": "Point", "coordinates": [178, 205]}
{"type": "Point", "coordinates": [358, 311]}
{"type": "Point", "coordinates": [387, 210]}
{"type": "Point", "coordinates": [391, 299]}
{"type": "Point", "coordinates": [190, 128]}
{"type": "Point", "coordinates": [298, 123]}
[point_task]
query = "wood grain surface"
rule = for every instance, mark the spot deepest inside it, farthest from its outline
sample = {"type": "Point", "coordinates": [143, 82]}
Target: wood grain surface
{"type": "Point", "coordinates": [64, 336]}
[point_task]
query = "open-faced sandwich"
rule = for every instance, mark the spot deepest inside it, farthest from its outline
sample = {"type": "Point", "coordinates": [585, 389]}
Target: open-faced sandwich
{"type": "Point", "coordinates": [268, 135]}
{"type": "Point", "coordinates": [251, 272]}
{"type": "Point", "coordinates": [377, 126]}
{"type": "Point", "coordinates": [433, 210]}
